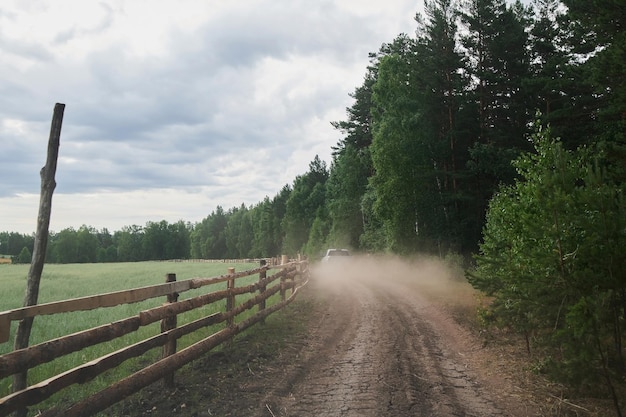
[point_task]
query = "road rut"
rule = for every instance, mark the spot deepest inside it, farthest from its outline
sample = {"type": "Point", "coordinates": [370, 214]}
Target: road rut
{"type": "Point", "coordinates": [381, 348]}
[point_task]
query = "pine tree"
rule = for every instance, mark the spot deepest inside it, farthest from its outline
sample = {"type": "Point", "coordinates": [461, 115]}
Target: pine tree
{"type": "Point", "coordinates": [445, 83]}
{"type": "Point", "coordinates": [303, 206]}
{"type": "Point", "coordinates": [345, 189]}
{"type": "Point", "coordinates": [495, 44]}
{"type": "Point", "coordinates": [600, 23]}
{"type": "Point", "coordinates": [551, 259]}
{"type": "Point", "coordinates": [558, 84]}
{"type": "Point", "coordinates": [351, 168]}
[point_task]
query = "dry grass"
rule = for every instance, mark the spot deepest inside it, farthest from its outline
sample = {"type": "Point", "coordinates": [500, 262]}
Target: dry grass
{"type": "Point", "coordinates": [5, 260]}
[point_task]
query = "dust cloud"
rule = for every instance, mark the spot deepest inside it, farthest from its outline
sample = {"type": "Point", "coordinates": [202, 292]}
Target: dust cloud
{"type": "Point", "coordinates": [427, 277]}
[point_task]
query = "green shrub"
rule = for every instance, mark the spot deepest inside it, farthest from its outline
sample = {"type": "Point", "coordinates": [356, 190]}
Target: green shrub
{"type": "Point", "coordinates": [553, 259]}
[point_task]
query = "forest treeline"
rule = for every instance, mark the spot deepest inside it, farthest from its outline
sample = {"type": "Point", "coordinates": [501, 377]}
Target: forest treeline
{"type": "Point", "coordinates": [496, 129]}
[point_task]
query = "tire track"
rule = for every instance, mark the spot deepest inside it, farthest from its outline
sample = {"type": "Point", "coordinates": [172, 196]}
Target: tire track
{"type": "Point", "coordinates": [377, 351]}
{"type": "Point", "coordinates": [437, 383]}
{"type": "Point", "coordinates": [345, 377]}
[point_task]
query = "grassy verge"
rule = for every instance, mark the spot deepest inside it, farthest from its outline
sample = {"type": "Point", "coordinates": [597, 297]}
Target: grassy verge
{"type": "Point", "coordinates": [69, 281]}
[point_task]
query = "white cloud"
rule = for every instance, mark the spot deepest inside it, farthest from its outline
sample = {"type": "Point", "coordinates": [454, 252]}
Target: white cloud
{"type": "Point", "coordinates": [174, 108]}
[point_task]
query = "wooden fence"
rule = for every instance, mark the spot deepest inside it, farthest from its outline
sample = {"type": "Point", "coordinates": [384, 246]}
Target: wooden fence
{"type": "Point", "coordinates": [291, 275]}
{"type": "Point", "coordinates": [269, 261]}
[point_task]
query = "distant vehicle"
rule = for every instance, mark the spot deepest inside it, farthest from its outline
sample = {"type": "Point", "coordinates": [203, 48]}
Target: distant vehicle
{"type": "Point", "coordinates": [335, 255]}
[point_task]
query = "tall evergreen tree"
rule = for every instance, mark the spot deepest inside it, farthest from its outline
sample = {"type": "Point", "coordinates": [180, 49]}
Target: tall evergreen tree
{"type": "Point", "coordinates": [232, 230]}
{"type": "Point", "coordinates": [208, 240]}
{"type": "Point", "coordinates": [549, 57]}
{"type": "Point", "coordinates": [305, 200]}
{"type": "Point", "coordinates": [600, 23]}
{"type": "Point", "coordinates": [155, 239]}
{"type": "Point", "coordinates": [239, 233]}
{"type": "Point", "coordinates": [357, 129]}
{"type": "Point", "coordinates": [87, 244]}
{"type": "Point", "coordinates": [178, 245]}
{"type": "Point", "coordinates": [279, 211]}
{"type": "Point", "coordinates": [445, 82]}
{"type": "Point", "coordinates": [351, 168]}
{"type": "Point", "coordinates": [495, 43]}
{"type": "Point", "coordinates": [266, 227]}
{"type": "Point", "coordinates": [345, 189]}
{"type": "Point", "coordinates": [558, 85]}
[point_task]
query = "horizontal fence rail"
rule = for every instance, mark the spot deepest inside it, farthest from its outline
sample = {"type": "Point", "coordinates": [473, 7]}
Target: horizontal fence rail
{"type": "Point", "coordinates": [291, 276]}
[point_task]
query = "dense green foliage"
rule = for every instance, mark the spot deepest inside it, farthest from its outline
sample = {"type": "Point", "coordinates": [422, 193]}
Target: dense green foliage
{"type": "Point", "coordinates": [552, 258]}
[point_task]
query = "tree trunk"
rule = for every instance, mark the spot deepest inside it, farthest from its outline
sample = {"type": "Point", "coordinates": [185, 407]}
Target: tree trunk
{"type": "Point", "coordinates": [48, 185]}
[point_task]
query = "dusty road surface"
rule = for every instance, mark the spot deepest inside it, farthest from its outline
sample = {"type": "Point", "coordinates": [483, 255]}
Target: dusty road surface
{"type": "Point", "coordinates": [372, 337]}
{"type": "Point", "coordinates": [386, 345]}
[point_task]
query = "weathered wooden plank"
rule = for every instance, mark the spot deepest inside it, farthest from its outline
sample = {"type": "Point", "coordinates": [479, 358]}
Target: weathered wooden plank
{"type": "Point", "coordinates": [110, 299]}
{"type": "Point", "coordinates": [145, 377]}
{"type": "Point", "coordinates": [97, 301]}
{"type": "Point", "coordinates": [39, 392]}
{"type": "Point", "coordinates": [32, 356]}
{"type": "Point", "coordinates": [251, 302]}
{"type": "Point", "coordinates": [201, 282]}
{"type": "Point", "coordinates": [86, 372]}
{"type": "Point", "coordinates": [157, 313]}
{"type": "Point", "coordinates": [5, 329]}
{"type": "Point", "coordinates": [262, 285]}
{"type": "Point", "coordinates": [47, 351]}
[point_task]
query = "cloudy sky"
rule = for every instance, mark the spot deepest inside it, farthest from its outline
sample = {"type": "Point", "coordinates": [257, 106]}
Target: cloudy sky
{"type": "Point", "coordinates": [175, 107]}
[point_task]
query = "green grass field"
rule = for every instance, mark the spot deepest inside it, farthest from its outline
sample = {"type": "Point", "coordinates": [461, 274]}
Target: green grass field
{"type": "Point", "coordinates": [61, 282]}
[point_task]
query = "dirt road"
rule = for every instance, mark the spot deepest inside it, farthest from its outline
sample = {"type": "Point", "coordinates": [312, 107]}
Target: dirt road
{"type": "Point", "coordinates": [389, 347]}
{"type": "Point", "coordinates": [377, 338]}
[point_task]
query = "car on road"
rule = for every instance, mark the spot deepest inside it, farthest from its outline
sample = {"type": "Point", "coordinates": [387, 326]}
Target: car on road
{"type": "Point", "coordinates": [333, 255]}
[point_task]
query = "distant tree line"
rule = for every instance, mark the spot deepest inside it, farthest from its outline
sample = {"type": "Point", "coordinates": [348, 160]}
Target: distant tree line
{"type": "Point", "coordinates": [154, 241]}
{"type": "Point", "coordinates": [497, 129]}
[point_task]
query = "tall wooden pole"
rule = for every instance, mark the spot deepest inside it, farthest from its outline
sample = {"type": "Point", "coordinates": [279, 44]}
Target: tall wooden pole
{"type": "Point", "coordinates": [48, 185]}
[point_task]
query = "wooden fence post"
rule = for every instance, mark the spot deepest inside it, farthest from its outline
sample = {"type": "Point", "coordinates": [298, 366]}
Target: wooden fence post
{"type": "Point", "coordinates": [169, 323]}
{"type": "Point", "coordinates": [284, 259]}
{"type": "Point", "coordinates": [230, 300]}
{"type": "Point", "coordinates": [262, 287]}
{"type": "Point", "coordinates": [297, 274]}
